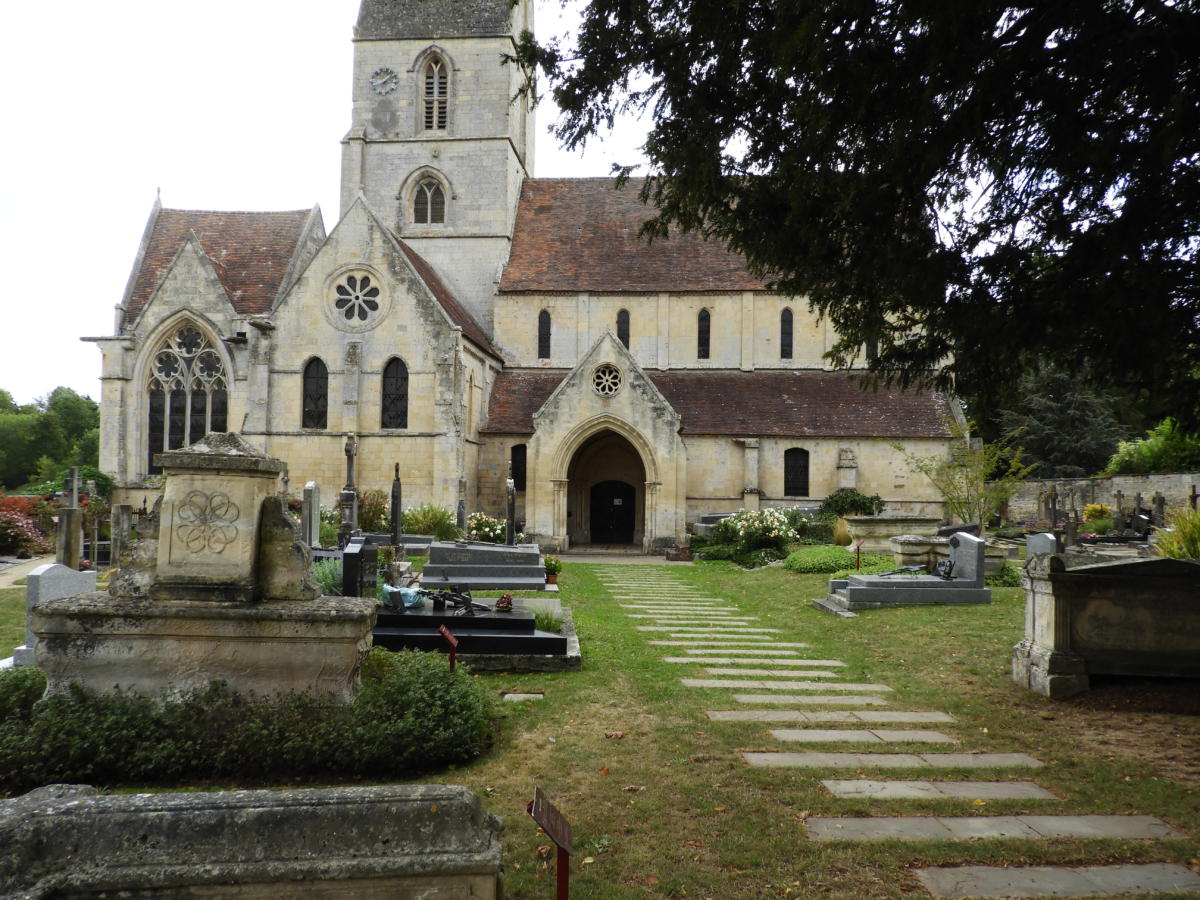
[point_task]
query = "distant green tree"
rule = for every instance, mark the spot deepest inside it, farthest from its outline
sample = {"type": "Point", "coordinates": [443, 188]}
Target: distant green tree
{"type": "Point", "coordinates": [7, 403]}
{"type": "Point", "coordinates": [1068, 430]}
{"type": "Point", "coordinates": [75, 414]}
{"type": "Point", "coordinates": [19, 447]}
{"type": "Point", "coordinates": [54, 432]}
{"type": "Point", "coordinates": [1165, 448]}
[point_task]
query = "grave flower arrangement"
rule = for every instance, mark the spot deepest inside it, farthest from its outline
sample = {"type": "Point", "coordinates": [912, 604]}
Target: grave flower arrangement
{"type": "Point", "coordinates": [504, 603]}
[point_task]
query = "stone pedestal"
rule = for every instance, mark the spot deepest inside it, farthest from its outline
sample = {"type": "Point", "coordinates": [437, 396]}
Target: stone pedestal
{"type": "Point", "coordinates": [876, 532]}
{"type": "Point", "coordinates": [312, 647]}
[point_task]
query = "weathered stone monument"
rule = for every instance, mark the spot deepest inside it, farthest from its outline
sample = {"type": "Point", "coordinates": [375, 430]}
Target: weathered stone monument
{"type": "Point", "coordinates": [310, 515]}
{"type": "Point", "coordinates": [1132, 617]}
{"type": "Point", "coordinates": [219, 591]}
{"type": "Point", "coordinates": [962, 584]}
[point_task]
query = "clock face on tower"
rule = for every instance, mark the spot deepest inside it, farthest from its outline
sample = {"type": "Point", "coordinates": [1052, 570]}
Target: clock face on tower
{"type": "Point", "coordinates": [384, 80]}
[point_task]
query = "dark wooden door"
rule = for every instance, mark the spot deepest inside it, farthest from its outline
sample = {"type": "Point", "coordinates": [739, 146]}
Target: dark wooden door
{"type": "Point", "coordinates": [613, 504]}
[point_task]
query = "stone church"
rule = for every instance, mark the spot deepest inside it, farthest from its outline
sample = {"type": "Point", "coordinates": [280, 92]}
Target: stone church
{"type": "Point", "coordinates": [463, 316]}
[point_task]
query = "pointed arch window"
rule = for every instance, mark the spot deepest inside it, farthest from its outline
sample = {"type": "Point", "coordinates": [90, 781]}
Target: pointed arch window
{"type": "Point", "coordinates": [395, 395]}
{"type": "Point", "coordinates": [429, 203]}
{"type": "Point", "coordinates": [544, 335]}
{"type": "Point", "coordinates": [188, 392]}
{"type": "Point", "coordinates": [315, 413]}
{"type": "Point", "coordinates": [785, 334]}
{"type": "Point", "coordinates": [435, 94]}
{"type": "Point", "coordinates": [795, 472]}
{"type": "Point", "coordinates": [703, 327]}
{"type": "Point", "coordinates": [623, 327]}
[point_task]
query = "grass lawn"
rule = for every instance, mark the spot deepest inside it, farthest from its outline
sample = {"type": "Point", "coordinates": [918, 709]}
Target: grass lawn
{"type": "Point", "coordinates": [12, 619]}
{"type": "Point", "coordinates": [662, 804]}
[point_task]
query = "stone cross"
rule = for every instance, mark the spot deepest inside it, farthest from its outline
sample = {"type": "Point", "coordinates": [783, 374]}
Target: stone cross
{"type": "Point", "coordinates": [1053, 506]}
{"type": "Point", "coordinates": [69, 549]}
{"type": "Point", "coordinates": [510, 487]}
{"type": "Point", "coordinates": [349, 498]}
{"type": "Point", "coordinates": [1160, 509]}
{"type": "Point", "coordinates": [397, 513]}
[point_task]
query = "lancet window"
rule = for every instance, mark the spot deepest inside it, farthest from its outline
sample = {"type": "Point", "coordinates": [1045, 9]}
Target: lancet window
{"type": "Point", "coordinates": [395, 395]}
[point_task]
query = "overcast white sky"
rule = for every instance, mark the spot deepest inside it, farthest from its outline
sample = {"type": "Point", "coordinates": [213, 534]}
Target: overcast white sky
{"type": "Point", "coordinates": [229, 104]}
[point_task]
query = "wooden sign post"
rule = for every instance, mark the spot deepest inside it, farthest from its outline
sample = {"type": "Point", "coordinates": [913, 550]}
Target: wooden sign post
{"type": "Point", "coordinates": [452, 641]}
{"type": "Point", "coordinates": [558, 829]}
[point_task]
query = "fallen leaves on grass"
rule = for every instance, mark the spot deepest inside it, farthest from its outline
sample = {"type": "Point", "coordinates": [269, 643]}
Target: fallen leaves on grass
{"type": "Point", "coordinates": [614, 735]}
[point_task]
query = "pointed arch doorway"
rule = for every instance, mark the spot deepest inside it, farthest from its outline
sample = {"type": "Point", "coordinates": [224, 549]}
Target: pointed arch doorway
{"type": "Point", "coordinates": [606, 494]}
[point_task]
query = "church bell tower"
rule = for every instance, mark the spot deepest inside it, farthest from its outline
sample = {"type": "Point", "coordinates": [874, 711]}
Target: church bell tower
{"type": "Point", "coordinates": [437, 144]}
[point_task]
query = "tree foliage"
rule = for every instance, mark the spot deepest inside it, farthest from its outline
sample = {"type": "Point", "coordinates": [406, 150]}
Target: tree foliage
{"type": "Point", "coordinates": [976, 478]}
{"type": "Point", "coordinates": [1165, 448]}
{"type": "Point", "coordinates": [968, 187]}
{"type": "Point", "coordinates": [45, 437]}
{"type": "Point", "coordinates": [1067, 429]}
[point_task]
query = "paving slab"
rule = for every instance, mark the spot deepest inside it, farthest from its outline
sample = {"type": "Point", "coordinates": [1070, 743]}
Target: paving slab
{"type": "Point", "coordinates": [1057, 881]}
{"type": "Point", "coordinates": [716, 629]}
{"type": "Point", "coordinates": [938, 790]}
{"type": "Point", "coordinates": [891, 760]}
{"type": "Point", "coordinates": [1101, 826]}
{"type": "Point", "coordinates": [774, 673]}
{"type": "Point", "coordinates": [676, 619]}
{"type": "Point", "coordinates": [518, 697]}
{"type": "Point", "coordinates": [896, 715]}
{"type": "Point", "coordinates": [962, 828]}
{"type": "Point", "coordinates": [690, 605]}
{"type": "Point", "coordinates": [862, 736]}
{"type": "Point", "coordinates": [823, 716]}
{"type": "Point", "coordinates": [783, 685]}
{"type": "Point", "coordinates": [812, 699]}
{"type": "Point", "coordinates": [799, 661]}
{"type": "Point", "coordinates": [751, 651]}
{"type": "Point", "coordinates": [744, 645]}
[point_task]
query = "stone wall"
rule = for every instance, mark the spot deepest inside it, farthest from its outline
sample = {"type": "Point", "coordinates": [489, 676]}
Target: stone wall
{"type": "Point", "coordinates": [1024, 505]}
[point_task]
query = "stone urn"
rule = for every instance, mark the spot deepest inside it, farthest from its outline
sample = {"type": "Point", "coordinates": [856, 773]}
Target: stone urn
{"type": "Point", "coordinates": [876, 532]}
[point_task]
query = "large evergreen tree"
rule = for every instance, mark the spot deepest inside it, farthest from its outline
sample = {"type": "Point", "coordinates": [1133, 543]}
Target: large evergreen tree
{"type": "Point", "coordinates": [967, 186]}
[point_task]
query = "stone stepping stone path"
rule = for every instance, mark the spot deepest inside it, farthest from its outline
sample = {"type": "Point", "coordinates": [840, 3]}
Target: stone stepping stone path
{"type": "Point", "coordinates": [709, 632]}
{"type": "Point", "coordinates": [964, 828]}
{"type": "Point", "coordinates": [938, 790]}
{"type": "Point", "coordinates": [1058, 881]}
{"type": "Point", "coordinates": [818, 760]}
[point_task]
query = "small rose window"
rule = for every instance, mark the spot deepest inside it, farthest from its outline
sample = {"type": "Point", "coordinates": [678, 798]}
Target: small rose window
{"type": "Point", "coordinates": [606, 380]}
{"type": "Point", "coordinates": [357, 298]}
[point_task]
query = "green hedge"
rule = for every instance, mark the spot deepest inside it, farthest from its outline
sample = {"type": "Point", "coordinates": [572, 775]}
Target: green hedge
{"type": "Point", "coordinates": [411, 714]}
{"type": "Point", "coordinates": [827, 560]}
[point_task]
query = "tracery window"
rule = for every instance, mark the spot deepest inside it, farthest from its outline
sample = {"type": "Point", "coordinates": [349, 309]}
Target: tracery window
{"type": "Point", "coordinates": [315, 412]}
{"type": "Point", "coordinates": [785, 334]}
{"type": "Point", "coordinates": [429, 203]}
{"type": "Point", "coordinates": [395, 395]}
{"type": "Point", "coordinates": [703, 326]}
{"type": "Point", "coordinates": [544, 335]}
{"type": "Point", "coordinates": [436, 94]}
{"type": "Point", "coordinates": [795, 472]}
{"type": "Point", "coordinates": [623, 327]}
{"type": "Point", "coordinates": [188, 393]}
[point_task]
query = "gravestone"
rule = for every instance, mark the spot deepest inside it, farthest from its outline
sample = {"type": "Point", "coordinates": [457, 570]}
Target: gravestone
{"type": "Point", "coordinates": [49, 582]}
{"type": "Point", "coordinates": [310, 515]}
{"type": "Point", "coordinates": [1045, 542]}
{"type": "Point", "coordinates": [359, 568]}
{"type": "Point", "coordinates": [964, 586]}
{"type": "Point", "coordinates": [474, 564]}
{"type": "Point", "coordinates": [397, 511]}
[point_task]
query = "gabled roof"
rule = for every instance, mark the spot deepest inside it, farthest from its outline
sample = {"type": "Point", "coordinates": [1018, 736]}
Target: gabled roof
{"type": "Point", "coordinates": [581, 234]}
{"type": "Point", "coordinates": [412, 19]}
{"type": "Point", "coordinates": [766, 403]}
{"type": "Point", "coordinates": [458, 315]}
{"type": "Point", "coordinates": [250, 252]}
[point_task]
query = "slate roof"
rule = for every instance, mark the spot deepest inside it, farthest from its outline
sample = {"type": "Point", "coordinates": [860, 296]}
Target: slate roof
{"type": "Point", "coordinates": [250, 251]}
{"type": "Point", "coordinates": [581, 234]}
{"type": "Point", "coordinates": [766, 403]}
{"type": "Point", "coordinates": [412, 19]}
{"type": "Point", "coordinates": [458, 315]}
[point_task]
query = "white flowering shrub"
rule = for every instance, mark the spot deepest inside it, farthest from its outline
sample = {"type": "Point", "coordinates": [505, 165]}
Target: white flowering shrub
{"type": "Point", "coordinates": [755, 530]}
{"type": "Point", "coordinates": [482, 527]}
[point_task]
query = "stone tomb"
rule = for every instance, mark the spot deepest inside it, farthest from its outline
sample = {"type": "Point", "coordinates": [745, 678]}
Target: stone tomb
{"type": "Point", "coordinates": [965, 585]}
{"type": "Point", "coordinates": [1135, 617]}
{"type": "Point", "coordinates": [473, 564]}
{"type": "Point", "coordinates": [220, 591]}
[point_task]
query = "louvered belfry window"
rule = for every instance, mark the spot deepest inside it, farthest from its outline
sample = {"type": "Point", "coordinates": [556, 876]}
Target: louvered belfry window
{"type": "Point", "coordinates": [187, 392]}
{"type": "Point", "coordinates": [395, 395]}
{"type": "Point", "coordinates": [429, 203]}
{"type": "Point", "coordinates": [315, 413]}
{"type": "Point", "coordinates": [436, 95]}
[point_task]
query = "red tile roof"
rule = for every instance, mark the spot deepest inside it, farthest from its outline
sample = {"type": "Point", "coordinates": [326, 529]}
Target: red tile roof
{"type": "Point", "coordinates": [250, 251]}
{"type": "Point", "coordinates": [458, 315]}
{"type": "Point", "coordinates": [766, 403]}
{"type": "Point", "coordinates": [581, 234]}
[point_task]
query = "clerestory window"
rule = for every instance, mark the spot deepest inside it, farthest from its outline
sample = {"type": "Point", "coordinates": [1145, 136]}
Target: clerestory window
{"type": "Point", "coordinates": [315, 411]}
{"type": "Point", "coordinates": [623, 327]}
{"type": "Point", "coordinates": [785, 334]}
{"type": "Point", "coordinates": [703, 326]}
{"type": "Point", "coordinates": [188, 392]}
{"type": "Point", "coordinates": [543, 336]}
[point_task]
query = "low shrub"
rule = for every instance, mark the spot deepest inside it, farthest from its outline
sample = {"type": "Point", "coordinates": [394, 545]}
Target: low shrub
{"type": "Point", "coordinates": [430, 519]}
{"type": "Point", "coordinates": [1100, 526]}
{"type": "Point", "coordinates": [1094, 511]}
{"type": "Point", "coordinates": [482, 527]}
{"type": "Point", "coordinates": [823, 560]}
{"type": "Point", "coordinates": [1181, 538]}
{"type": "Point", "coordinates": [841, 533]}
{"type": "Point", "coordinates": [412, 714]}
{"type": "Point", "coordinates": [1008, 576]}
{"type": "Point", "coordinates": [873, 569]}
{"type": "Point", "coordinates": [755, 530]}
{"type": "Point", "coordinates": [374, 511]}
{"type": "Point", "coordinates": [714, 551]}
{"type": "Point", "coordinates": [544, 620]}
{"type": "Point", "coordinates": [19, 532]}
{"type": "Point", "coordinates": [328, 573]}
{"type": "Point", "coordinates": [1165, 448]}
{"type": "Point", "coordinates": [849, 502]}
